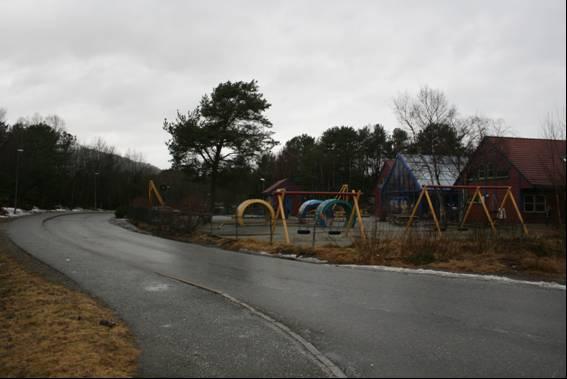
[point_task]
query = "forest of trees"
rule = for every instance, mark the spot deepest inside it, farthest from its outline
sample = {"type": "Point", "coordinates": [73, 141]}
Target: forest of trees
{"type": "Point", "coordinates": [53, 169]}
{"type": "Point", "coordinates": [340, 155]}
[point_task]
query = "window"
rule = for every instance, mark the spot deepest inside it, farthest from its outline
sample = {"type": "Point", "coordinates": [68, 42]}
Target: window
{"type": "Point", "coordinates": [489, 171]}
{"type": "Point", "coordinates": [502, 173]}
{"type": "Point", "coordinates": [534, 203]}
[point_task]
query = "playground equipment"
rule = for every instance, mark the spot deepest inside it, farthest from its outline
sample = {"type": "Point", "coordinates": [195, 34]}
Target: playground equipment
{"type": "Point", "coordinates": [312, 204]}
{"type": "Point", "coordinates": [342, 191]}
{"type": "Point", "coordinates": [247, 203]}
{"type": "Point", "coordinates": [307, 206]}
{"type": "Point", "coordinates": [324, 210]}
{"type": "Point", "coordinates": [354, 210]}
{"type": "Point", "coordinates": [477, 194]}
{"type": "Point", "coordinates": [324, 213]}
{"type": "Point", "coordinates": [152, 189]}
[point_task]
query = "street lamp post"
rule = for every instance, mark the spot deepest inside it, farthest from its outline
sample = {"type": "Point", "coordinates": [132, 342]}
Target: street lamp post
{"type": "Point", "coordinates": [95, 175]}
{"type": "Point", "coordinates": [262, 180]}
{"type": "Point", "coordinates": [19, 151]}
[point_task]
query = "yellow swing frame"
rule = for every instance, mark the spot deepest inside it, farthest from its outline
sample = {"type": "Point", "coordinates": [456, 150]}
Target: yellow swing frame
{"type": "Point", "coordinates": [280, 212]}
{"type": "Point", "coordinates": [153, 189]}
{"type": "Point", "coordinates": [477, 193]}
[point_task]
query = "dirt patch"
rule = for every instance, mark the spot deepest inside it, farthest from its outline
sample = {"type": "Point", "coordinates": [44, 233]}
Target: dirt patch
{"type": "Point", "coordinates": [530, 258]}
{"type": "Point", "coordinates": [49, 330]}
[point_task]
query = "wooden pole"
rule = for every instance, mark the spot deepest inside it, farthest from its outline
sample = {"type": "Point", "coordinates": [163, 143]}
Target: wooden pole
{"type": "Point", "coordinates": [281, 209]}
{"type": "Point", "coordinates": [410, 221]}
{"type": "Point", "coordinates": [524, 227]}
{"type": "Point", "coordinates": [359, 216]}
{"type": "Point", "coordinates": [433, 211]}
{"type": "Point", "coordinates": [469, 208]}
{"type": "Point", "coordinates": [351, 217]}
{"type": "Point", "coordinates": [486, 212]}
{"type": "Point", "coordinates": [152, 188]}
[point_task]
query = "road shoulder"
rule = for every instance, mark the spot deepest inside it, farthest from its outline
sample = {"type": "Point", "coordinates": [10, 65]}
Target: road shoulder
{"type": "Point", "coordinates": [50, 328]}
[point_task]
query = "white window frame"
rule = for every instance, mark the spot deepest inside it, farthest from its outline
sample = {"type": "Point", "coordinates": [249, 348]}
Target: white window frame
{"type": "Point", "coordinates": [535, 202]}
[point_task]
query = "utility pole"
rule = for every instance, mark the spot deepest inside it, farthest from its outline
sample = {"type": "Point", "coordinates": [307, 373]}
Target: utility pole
{"type": "Point", "coordinates": [18, 152]}
{"type": "Point", "coordinates": [95, 175]}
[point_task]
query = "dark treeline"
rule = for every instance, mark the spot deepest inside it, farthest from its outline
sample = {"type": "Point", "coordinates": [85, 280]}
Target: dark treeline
{"type": "Point", "coordinates": [53, 169]}
{"type": "Point", "coordinates": [341, 155]}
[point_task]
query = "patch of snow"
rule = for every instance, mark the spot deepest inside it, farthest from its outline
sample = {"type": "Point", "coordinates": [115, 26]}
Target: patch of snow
{"type": "Point", "coordinates": [420, 271]}
{"type": "Point", "coordinates": [287, 256]}
{"type": "Point", "coordinates": [157, 287]}
{"type": "Point", "coordinates": [10, 212]}
{"type": "Point", "coordinates": [311, 260]}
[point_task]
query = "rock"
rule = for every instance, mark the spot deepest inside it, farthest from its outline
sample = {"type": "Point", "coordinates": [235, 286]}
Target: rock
{"type": "Point", "coordinates": [108, 323]}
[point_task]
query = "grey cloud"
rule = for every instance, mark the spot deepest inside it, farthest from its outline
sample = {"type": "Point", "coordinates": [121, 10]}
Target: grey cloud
{"type": "Point", "coordinates": [118, 68]}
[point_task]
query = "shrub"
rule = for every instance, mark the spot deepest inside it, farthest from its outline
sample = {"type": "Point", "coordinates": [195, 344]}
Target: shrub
{"type": "Point", "coordinates": [121, 211]}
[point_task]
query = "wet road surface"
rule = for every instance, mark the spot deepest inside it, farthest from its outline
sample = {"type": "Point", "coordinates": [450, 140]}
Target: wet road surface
{"type": "Point", "coordinates": [367, 323]}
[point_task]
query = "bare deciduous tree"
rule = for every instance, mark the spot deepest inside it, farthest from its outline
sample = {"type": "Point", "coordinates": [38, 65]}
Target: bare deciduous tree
{"type": "Point", "coordinates": [554, 131]}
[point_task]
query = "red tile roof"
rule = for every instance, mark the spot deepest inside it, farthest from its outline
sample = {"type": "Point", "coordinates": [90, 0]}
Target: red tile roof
{"type": "Point", "coordinates": [541, 161]}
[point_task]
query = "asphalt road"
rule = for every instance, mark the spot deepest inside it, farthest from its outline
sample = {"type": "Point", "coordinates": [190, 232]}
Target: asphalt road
{"type": "Point", "coordinates": [366, 322]}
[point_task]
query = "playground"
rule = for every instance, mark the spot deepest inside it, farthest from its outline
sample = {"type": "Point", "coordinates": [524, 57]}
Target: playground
{"type": "Point", "coordinates": [476, 229]}
{"type": "Point", "coordinates": [323, 218]}
{"type": "Point", "coordinates": [336, 219]}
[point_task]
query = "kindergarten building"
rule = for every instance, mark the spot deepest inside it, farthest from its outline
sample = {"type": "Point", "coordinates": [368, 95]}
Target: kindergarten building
{"type": "Point", "coordinates": [533, 168]}
{"type": "Point", "coordinates": [407, 176]}
{"type": "Point", "coordinates": [379, 211]}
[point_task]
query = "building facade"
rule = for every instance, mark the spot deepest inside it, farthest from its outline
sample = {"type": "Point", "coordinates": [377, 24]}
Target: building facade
{"type": "Point", "coordinates": [533, 168]}
{"type": "Point", "coordinates": [408, 175]}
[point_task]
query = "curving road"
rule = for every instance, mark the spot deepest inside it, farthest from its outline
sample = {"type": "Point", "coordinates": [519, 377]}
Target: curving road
{"type": "Point", "coordinates": [307, 319]}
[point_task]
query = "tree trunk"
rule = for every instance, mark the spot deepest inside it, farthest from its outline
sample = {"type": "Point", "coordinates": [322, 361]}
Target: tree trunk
{"type": "Point", "coordinates": [214, 175]}
{"type": "Point", "coordinates": [213, 188]}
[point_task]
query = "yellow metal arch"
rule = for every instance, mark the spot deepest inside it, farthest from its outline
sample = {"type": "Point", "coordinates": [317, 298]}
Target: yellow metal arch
{"type": "Point", "coordinates": [246, 203]}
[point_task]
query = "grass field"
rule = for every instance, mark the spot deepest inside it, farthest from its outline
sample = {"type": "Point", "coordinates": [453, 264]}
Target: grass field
{"type": "Point", "coordinates": [49, 330]}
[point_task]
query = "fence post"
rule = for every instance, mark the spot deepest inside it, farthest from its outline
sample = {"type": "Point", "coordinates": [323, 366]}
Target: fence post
{"type": "Point", "coordinates": [314, 232]}
{"type": "Point", "coordinates": [375, 231]}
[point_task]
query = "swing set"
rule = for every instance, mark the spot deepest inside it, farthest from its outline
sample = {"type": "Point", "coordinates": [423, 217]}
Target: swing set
{"type": "Point", "coordinates": [279, 214]}
{"type": "Point", "coordinates": [424, 194]}
{"type": "Point", "coordinates": [341, 194]}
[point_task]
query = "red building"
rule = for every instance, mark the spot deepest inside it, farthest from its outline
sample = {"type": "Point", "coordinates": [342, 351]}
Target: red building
{"type": "Point", "coordinates": [534, 168]}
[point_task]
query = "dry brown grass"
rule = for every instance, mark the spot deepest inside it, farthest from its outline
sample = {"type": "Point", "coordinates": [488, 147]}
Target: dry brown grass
{"type": "Point", "coordinates": [532, 258]}
{"type": "Point", "coordinates": [48, 330]}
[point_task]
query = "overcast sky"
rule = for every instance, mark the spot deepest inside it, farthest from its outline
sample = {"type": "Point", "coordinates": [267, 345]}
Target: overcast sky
{"type": "Point", "coordinates": [116, 69]}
